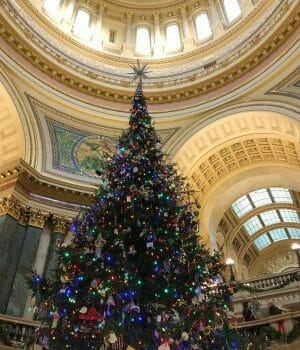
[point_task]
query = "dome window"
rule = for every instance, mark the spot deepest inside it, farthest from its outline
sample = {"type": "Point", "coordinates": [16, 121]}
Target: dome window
{"type": "Point", "coordinates": [81, 26]}
{"type": "Point", "coordinates": [203, 27]}
{"type": "Point", "coordinates": [232, 9]}
{"type": "Point", "coordinates": [173, 41]}
{"type": "Point", "coordinates": [52, 6]}
{"type": "Point", "coordinates": [112, 36]}
{"type": "Point", "coordinates": [142, 43]}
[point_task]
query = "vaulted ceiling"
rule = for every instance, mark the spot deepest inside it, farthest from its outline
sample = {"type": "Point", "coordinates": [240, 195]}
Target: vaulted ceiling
{"type": "Point", "coordinates": [226, 109]}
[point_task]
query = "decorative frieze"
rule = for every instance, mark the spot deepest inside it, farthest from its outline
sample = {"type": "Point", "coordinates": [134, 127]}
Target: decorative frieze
{"type": "Point", "coordinates": [205, 79]}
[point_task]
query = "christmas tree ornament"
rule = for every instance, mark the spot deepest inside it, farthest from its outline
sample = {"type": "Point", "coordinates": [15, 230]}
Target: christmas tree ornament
{"type": "Point", "coordinates": [185, 336]}
{"type": "Point", "coordinates": [99, 244]}
{"type": "Point", "coordinates": [83, 310]}
{"type": "Point", "coordinates": [55, 319]}
{"type": "Point", "coordinates": [112, 338]}
{"type": "Point", "coordinates": [132, 250]}
{"type": "Point", "coordinates": [135, 265]}
{"type": "Point", "coordinates": [110, 301]}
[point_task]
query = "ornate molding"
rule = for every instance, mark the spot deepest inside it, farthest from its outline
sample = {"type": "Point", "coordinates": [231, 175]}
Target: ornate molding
{"type": "Point", "coordinates": [29, 216]}
{"type": "Point", "coordinates": [90, 82]}
{"type": "Point", "coordinates": [35, 199]}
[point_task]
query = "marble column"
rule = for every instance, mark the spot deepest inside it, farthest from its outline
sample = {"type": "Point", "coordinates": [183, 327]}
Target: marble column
{"type": "Point", "coordinates": [158, 43]}
{"type": "Point", "coordinates": [26, 260]}
{"type": "Point", "coordinates": [12, 237]}
{"type": "Point", "coordinates": [39, 267]}
{"type": "Point", "coordinates": [128, 46]}
{"type": "Point", "coordinates": [52, 258]}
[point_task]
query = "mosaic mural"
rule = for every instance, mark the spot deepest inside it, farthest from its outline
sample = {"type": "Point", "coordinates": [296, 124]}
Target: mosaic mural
{"type": "Point", "coordinates": [92, 152]}
{"type": "Point", "coordinates": [79, 152]}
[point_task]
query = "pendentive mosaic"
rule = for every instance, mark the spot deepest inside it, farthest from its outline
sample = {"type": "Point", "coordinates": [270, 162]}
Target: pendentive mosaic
{"type": "Point", "coordinates": [78, 152]}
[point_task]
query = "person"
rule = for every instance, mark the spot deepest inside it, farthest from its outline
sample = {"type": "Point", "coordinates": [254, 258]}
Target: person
{"type": "Point", "coordinates": [274, 310]}
{"type": "Point", "coordinates": [232, 321]}
{"type": "Point", "coordinates": [248, 312]}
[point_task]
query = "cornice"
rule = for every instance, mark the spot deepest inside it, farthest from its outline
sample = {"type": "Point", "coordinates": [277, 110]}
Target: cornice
{"type": "Point", "coordinates": [30, 216]}
{"type": "Point", "coordinates": [31, 183]}
{"type": "Point", "coordinates": [89, 84]}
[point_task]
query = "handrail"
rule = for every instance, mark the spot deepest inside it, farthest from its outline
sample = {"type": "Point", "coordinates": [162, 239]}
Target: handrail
{"type": "Point", "coordinates": [269, 319]}
{"type": "Point", "coordinates": [275, 275]}
{"type": "Point", "coordinates": [18, 320]}
{"type": "Point", "coordinates": [271, 281]}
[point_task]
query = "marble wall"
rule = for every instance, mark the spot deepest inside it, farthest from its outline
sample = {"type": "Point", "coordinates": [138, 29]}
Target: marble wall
{"type": "Point", "coordinates": [18, 249]}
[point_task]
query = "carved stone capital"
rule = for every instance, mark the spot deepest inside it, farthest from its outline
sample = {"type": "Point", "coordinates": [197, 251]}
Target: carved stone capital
{"type": "Point", "coordinates": [37, 218]}
{"type": "Point", "coordinates": [58, 224]}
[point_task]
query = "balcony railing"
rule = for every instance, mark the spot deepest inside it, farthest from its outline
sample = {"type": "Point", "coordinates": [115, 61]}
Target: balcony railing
{"type": "Point", "coordinates": [272, 281]}
{"type": "Point", "coordinates": [281, 289]}
{"type": "Point", "coordinates": [17, 332]}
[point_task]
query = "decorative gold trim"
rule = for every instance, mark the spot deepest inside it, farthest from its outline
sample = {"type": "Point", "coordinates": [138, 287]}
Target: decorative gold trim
{"type": "Point", "coordinates": [193, 90]}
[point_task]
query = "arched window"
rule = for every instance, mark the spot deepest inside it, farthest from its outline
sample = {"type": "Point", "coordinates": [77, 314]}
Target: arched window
{"type": "Point", "coordinates": [142, 41]}
{"type": "Point", "coordinates": [51, 6]}
{"type": "Point", "coordinates": [173, 40]}
{"type": "Point", "coordinates": [232, 9]}
{"type": "Point", "coordinates": [81, 27]}
{"type": "Point", "coordinates": [203, 27]}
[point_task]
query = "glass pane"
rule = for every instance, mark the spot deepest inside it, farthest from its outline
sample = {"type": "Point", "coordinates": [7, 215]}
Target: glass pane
{"type": "Point", "coordinates": [51, 6]}
{"type": "Point", "coordinates": [81, 26]}
{"type": "Point", "coordinates": [242, 206]}
{"type": "Point", "coordinates": [270, 217]}
{"type": "Point", "coordinates": [289, 215]}
{"type": "Point", "coordinates": [232, 9]}
{"type": "Point", "coordinates": [294, 232]}
{"type": "Point", "coordinates": [262, 241]}
{"type": "Point", "coordinates": [278, 234]}
{"type": "Point", "coordinates": [173, 37]}
{"type": "Point", "coordinates": [260, 197]}
{"type": "Point", "coordinates": [253, 225]}
{"type": "Point", "coordinates": [203, 27]}
{"type": "Point", "coordinates": [281, 195]}
{"type": "Point", "coordinates": [142, 43]}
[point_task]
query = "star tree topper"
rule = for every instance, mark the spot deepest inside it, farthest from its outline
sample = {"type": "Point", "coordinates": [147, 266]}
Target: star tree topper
{"type": "Point", "coordinates": [139, 71]}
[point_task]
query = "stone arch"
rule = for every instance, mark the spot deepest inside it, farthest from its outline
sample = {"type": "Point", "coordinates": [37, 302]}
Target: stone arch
{"type": "Point", "coordinates": [25, 138]}
{"type": "Point", "coordinates": [274, 259]}
{"type": "Point", "coordinates": [12, 140]}
{"type": "Point", "coordinates": [237, 154]}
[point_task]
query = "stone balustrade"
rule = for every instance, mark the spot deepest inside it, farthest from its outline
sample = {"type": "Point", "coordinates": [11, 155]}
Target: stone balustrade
{"type": "Point", "coordinates": [17, 333]}
{"type": "Point", "coordinates": [273, 281]}
{"type": "Point", "coordinates": [283, 290]}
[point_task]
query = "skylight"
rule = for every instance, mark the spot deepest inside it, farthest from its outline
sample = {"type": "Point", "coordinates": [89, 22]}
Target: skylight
{"type": "Point", "coordinates": [142, 44]}
{"type": "Point", "coordinates": [281, 195]}
{"type": "Point", "coordinates": [173, 37]}
{"type": "Point", "coordinates": [203, 27]}
{"type": "Point", "coordinates": [81, 26]}
{"type": "Point", "coordinates": [289, 215]}
{"type": "Point", "coordinates": [262, 241]}
{"type": "Point", "coordinates": [294, 232]}
{"type": "Point", "coordinates": [278, 234]}
{"type": "Point", "coordinates": [242, 206]}
{"type": "Point", "coordinates": [252, 225]}
{"type": "Point", "coordinates": [51, 6]}
{"type": "Point", "coordinates": [260, 197]}
{"type": "Point", "coordinates": [270, 217]}
{"type": "Point", "coordinates": [232, 9]}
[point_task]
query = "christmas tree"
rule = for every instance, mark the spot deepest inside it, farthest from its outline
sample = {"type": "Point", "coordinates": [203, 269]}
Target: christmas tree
{"type": "Point", "coordinates": [135, 268]}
